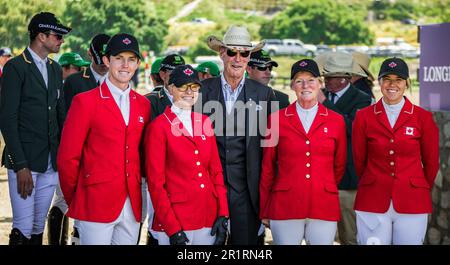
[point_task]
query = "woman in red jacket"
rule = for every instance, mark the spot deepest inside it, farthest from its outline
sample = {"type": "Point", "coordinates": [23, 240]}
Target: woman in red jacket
{"type": "Point", "coordinates": [303, 165]}
{"type": "Point", "coordinates": [184, 170]}
{"type": "Point", "coordinates": [396, 154]}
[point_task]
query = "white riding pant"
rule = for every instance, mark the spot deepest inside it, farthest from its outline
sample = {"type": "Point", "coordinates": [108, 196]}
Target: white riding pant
{"type": "Point", "coordinates": [123, 231]}
{"type": "Point", "coordinates": [29, 214]}
{"type": "Point", "coordinates": [293, 231]}
{"type": "Point", "coordinates": [390, 228]}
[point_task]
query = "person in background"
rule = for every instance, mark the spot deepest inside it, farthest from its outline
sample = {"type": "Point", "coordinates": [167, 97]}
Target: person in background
{"type": "Point", "coordinates": [186, 183]}
{"type": "Point", "coordinates": [162, 99]}
{"type": "Point", "coordinates": [158, 83]}
{"type": "Point", "coordinates": [396, 154]}
{"type": "Point", "coordinates": [32, 114]}
{"type": "Point", "coordinates": [5, 55]}
{"type": "Point", "coordinates": [364, 79]}
{"type": "Point", "coordinates": [303, 165]}
{"type": "Point", "coordinates": [91, 76]}
{"type": "Point", "coordinates": [207, 70]}
{"type": "Point", "coordinates": [71, 63]}
{"type": "Point", "coordinates": [259, 68]}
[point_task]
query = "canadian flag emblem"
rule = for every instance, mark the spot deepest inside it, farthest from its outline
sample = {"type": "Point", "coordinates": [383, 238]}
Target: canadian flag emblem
{"type": "Point", "coordinates": [409, 131]}
{"type": "Point", "coordinates": [188, 71]}
{"type": "Point", "coordinates": [126, 41]}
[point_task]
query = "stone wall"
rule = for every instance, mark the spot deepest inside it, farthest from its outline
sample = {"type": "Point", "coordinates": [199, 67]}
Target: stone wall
{"type": "Point", "coordinates": [438, 231]}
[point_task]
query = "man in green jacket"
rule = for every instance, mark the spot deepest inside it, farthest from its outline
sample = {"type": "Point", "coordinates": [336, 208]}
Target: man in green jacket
{"type": "Point", "coordinates": [32, 114]}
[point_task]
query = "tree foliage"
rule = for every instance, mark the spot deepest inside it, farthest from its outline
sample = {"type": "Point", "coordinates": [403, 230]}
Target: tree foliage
{"type": "Point", "coordinates": [398, 10]}
{"type": "Point", "coordinates": [319, 21]}
{"type": "Point", "coordinates": [87, 18]}
{"type": "Point", "coordinates": [201, 48]}
{"type": "Point", "coordinates": [90, 17]}
{"type": "Point", "coordinates": [437, 11]}
{"type": "Point", "coordinates": [17, 14]}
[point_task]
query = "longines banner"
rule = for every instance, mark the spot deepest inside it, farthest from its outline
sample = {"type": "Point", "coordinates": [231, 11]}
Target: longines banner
{"type": "Point", "coordinates": [434, 71]}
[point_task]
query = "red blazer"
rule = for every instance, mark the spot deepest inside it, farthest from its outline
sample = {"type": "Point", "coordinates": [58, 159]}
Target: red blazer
{"type": "Point", "coordinates": [400, 163]}
{"type": "Point", "coordinates": [310, 166]}
{"type": "Point", "coordinates": [98, 159]}
{"type": "Point", "coordinates": [184, 174]}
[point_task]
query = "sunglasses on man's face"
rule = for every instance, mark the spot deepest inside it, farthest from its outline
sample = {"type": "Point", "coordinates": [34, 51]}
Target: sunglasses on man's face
{"type": "Point", "coordinates": [194, 87]}
{"type": "Point", "coordinates": [58, 36]}
{"type": "Point", "coordinates": [233, 53]}
{"type": "Point", "coordinates": [263, 68]}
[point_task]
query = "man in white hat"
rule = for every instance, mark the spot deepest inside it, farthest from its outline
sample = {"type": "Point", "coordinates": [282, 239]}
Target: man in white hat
{"type": "Point", "coordinates": [341, 96]}
{"type": "Point", "coordinates": [238, 131]}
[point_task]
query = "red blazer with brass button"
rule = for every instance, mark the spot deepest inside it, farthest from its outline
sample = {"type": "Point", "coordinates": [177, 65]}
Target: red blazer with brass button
{"type": "Point", "coordinates": [98, 159]}
{"type": "Point", "coordinates": [310, 166]}
{"type": "Point", "coordinates": [398, 164]}
{"type": "Point", "coordinates": [184, 174]}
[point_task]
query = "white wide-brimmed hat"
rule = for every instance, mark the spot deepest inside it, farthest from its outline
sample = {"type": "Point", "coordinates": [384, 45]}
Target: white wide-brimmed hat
{"type": "Point", "coordinates": [339, 64]}
{"type": "Point", "coordinates": [363, 61]}
{"type": "Point", "coordinates": [237, 37]}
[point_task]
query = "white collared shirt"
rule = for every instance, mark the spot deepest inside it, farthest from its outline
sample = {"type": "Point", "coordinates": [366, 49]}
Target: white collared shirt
{"type": "Point", "coordinates": [306, 115]}
{"type": "Point", "coordinates": [339, 93]}
{"type": "Point", "coordinates": [392, 111]}
{"type": "Point", "coordinates": [122, 99]}
{"type": "Point", "coordinates": [184, 115]}
{"type": "Point", "coordinates": [41, 64]}
{"type": "Point", "coordinates": [230, 96]}
{"type": "Point", "coordinates": [98, 78]}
